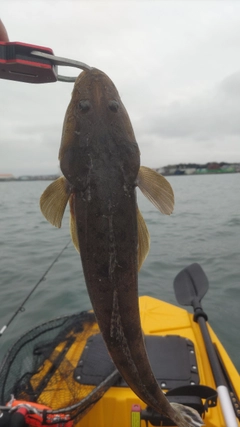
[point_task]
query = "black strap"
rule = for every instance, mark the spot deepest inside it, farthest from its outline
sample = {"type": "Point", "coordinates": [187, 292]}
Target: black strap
{"type": "Point", "coordinates": [201, 391]}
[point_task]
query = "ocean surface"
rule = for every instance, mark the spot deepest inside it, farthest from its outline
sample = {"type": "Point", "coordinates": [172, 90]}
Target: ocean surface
{"type": "Point", "coordinates": [204, 228]}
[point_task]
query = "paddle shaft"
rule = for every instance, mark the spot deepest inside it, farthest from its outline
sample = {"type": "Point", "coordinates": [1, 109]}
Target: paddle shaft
{"type": "Point", "coordinates": [223, 393]}
{"type": "Point", "coordinates": [190, 285]}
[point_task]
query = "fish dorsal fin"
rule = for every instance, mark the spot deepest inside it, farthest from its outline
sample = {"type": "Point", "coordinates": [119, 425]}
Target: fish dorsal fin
{"type": "Point", "coordinates": [54, 199]}
{"type": "Point", "coordinates": [143, 239]}
{"type": "Point", "coordinates": [157, 189]}
{"type": "Point", "coordinates": [73, 225]}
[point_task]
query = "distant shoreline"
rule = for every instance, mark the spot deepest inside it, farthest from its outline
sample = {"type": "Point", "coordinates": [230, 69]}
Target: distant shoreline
{"type": "Point", "coordinates": [199, 169]}
{"type": "Point", "coordinates": [186, 169]}
{"type": "Point", "coordinates": [53, 178]}
{"type": "Point", "coordinates": [29, 178]}
{"type": "Point", "coordinates": [200, 174]}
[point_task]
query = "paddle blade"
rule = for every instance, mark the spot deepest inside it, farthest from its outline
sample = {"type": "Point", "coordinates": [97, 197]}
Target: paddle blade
{"type": "Point", "coordinates": [190, 285]}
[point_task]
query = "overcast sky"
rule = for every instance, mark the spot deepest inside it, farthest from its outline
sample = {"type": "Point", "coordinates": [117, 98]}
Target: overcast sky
{"type": "Point", "coordinates": [176, 65]}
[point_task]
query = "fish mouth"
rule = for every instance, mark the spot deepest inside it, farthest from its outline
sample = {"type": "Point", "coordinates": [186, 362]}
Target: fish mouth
{"type": "Point", "coordinates": [98, 84]}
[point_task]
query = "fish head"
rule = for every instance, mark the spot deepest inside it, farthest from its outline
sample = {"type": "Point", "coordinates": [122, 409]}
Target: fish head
{"type": "Point", "coordinates": [96, 121]}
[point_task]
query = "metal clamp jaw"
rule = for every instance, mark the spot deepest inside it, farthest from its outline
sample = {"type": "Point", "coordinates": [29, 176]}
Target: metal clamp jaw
{"type": "Point", "coordinates": [33, 64]}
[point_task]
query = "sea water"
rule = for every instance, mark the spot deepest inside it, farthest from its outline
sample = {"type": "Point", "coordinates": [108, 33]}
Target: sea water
{"type": "Point", "coordinates": [204, 228]}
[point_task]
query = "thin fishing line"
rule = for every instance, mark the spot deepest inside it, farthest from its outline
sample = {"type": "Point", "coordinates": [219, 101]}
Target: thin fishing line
{"type": "Point", "coordinates": [21, 307]}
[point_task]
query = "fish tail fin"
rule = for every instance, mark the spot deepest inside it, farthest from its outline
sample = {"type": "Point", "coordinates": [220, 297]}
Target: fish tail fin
{"type": "Point", "coordinates": [73, 225]}
{"type": "Point", "coordinates": [54, 199]}
{"type": "Point", "coordinates": [157, 189]}
{"type": "Point", "coordinates": [186, 416]}
{"type": "Point", "coordinates": [143, 239]}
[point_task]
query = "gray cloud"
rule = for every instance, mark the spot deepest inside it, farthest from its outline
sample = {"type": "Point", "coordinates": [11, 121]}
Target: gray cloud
{"type": "Point", "coordinates": [175, 65]}
{"type": "Point", "coordinates": [214, 113]}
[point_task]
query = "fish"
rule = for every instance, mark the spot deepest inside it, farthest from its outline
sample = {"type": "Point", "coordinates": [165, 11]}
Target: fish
{"type": "Point", "coordinates": [100, 161]}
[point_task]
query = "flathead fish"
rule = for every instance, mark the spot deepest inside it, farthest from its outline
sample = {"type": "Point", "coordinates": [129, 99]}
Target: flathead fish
{"type": "Point", "coordinates": [100, 161]}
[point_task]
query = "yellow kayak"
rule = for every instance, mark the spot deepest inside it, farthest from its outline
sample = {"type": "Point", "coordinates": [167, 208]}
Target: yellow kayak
{"type": "Point", "coordinates": [64, 364]}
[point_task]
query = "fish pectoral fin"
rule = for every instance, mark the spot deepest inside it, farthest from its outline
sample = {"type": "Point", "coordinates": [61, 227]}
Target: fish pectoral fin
{"type": "Point", "coordinates": [73, 225]}
{"type": "Point", "coordinates": [54, 199]}
{"type": "Point", "coordinates": [143, 239]}
{"type": "Point", "coordinates": [186, 416]}
{"type": "Point", "coordinates": [157, 189]}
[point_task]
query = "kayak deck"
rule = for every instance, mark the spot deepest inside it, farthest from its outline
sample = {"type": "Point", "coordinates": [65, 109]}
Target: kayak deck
{"type": "Point", "coordinates": [161, 318]}
{"type": "Point", "coordinates": [172, 338]}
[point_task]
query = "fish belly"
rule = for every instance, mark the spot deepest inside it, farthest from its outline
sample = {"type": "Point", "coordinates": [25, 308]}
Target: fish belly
{"type": "Point", "coordinates": [107, 235]}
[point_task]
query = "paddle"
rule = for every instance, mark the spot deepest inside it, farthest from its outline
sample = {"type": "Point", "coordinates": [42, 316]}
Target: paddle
{"type": "Point", "coordinates": [190, 286]}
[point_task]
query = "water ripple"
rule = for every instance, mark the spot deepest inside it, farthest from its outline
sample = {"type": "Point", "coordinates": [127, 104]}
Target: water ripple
{"type": "Point", "coordinates": [204, 228]}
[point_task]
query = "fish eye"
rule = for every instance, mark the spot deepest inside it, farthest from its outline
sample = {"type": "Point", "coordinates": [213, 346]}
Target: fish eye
{"type": "Point", "coordinates": [84, 106]}
{"type": "Point", "coordinates": [113, 106]}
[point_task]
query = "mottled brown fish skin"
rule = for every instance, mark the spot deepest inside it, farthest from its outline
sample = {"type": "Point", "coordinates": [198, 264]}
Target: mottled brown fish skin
{"type": "Point", "coordinates": [100, 158]}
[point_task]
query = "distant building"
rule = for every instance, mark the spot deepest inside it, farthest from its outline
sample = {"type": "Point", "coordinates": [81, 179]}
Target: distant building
{"type": "Point", "coordinates": [190, 171]}
{"type": "Point", "coordinates": [38, 177]}
{"type": "Point", "coordinates": [161, 170]}
{"type": "Point", "coordinates": [213, 166]}
{"type": "Point", "coordinates": [201, 171]}
{"type": "Point", "coordinates": [24, 178]}
{"type": "Point", "coordinates": [6, 177]}
{"type": "Point", "coordinates": [167, 170]}
{"type": "Point", "coordinates": [230, 169]}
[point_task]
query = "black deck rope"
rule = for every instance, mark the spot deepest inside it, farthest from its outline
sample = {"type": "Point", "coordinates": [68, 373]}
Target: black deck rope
{"type": "Point", "coordinates": [21, 307]}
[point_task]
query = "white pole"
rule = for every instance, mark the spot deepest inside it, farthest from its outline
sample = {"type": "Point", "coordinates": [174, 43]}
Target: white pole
{"type": "Point", "coordinates": [227, 406]}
